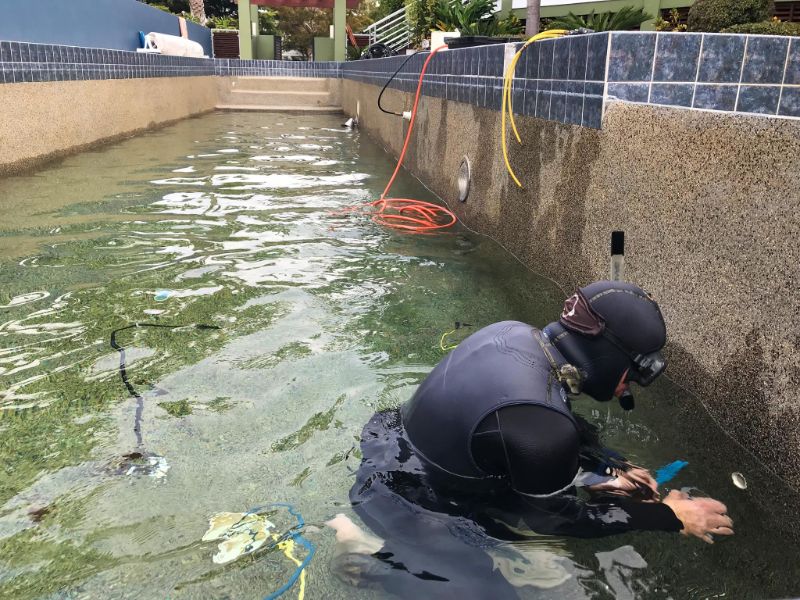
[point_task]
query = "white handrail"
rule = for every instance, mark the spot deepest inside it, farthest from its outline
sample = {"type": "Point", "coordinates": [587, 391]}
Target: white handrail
{"type": "Point", "coordinates": [390, 17]}
{"type": "Point", "coordinates": [392, 30]}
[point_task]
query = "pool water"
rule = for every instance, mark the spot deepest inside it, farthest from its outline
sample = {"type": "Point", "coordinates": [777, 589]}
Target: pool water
{"type": "Point", "coordinates": [317, 319]}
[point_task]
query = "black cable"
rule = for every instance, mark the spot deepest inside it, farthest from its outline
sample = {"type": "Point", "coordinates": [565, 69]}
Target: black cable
{"type": "Point", "coordinates": [137, 424]}
{"type": "Point", "coordinates": [410, 56]}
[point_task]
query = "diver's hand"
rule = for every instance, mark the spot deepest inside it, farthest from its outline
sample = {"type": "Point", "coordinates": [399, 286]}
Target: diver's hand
{"type": "Point", "coordinates": [701, 517]}
{"type": "Point", "coordinates": [636, 483]}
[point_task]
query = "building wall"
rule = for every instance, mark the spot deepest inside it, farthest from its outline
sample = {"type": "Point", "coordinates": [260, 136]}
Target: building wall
{"type": "Point", "coordinates": [91, 23]}
{"type": "Point", "coordinates": [707, 201]}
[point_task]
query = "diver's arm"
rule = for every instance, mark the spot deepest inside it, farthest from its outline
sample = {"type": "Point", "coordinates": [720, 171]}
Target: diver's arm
{"type": "Point", "coordinates": [678, 512]}
{"type": "Point", "coordinates": [572, 516]}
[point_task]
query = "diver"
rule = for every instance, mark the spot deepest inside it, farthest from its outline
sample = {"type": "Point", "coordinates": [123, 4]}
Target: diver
{"type": "Point", "coordinates": [488, 450]}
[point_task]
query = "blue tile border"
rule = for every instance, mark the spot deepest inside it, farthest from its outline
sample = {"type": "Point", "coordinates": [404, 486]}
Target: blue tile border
{"type": "Point", "coordinates": [23, 62]}
{"type": "Point", "coordinates": [560, 80]}
{"type": "Point", "coordinates": [709, 71]}
{"type": "Point", "coordinates": [568, 80]}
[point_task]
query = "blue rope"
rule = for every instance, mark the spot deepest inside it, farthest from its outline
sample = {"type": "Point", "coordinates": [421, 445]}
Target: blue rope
{"type": "Point", "coordinates": [295, 533]}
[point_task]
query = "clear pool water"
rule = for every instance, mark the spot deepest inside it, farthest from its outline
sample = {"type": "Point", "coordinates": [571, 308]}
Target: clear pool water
{"type": "Point", "coordinates": [229, 220]}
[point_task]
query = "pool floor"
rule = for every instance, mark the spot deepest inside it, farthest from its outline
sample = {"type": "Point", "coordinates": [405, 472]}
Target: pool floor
{"type": "Point", "coordinates": [311, 320]}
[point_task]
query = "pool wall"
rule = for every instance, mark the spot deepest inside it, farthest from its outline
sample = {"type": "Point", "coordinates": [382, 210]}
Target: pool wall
{"type": "Point", "coordinates": [61, 99]}
{"type": "Point", "coordinates": [708, 204]}
{"type": "Point", "coordinates": [43, 121]}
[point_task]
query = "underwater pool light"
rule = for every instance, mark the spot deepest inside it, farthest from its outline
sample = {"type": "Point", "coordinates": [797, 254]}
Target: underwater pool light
{"type": "Point", "coordinates": [464, 179]}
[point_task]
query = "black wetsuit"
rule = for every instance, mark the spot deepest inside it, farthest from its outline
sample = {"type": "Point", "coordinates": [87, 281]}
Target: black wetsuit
{"type": "Point", "coordinates": [449, 474]}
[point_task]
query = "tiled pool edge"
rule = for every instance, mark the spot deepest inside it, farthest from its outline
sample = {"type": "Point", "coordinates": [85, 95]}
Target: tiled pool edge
{"type": "Point", "coordinates": [571, 79]}
{"type": "Point", "coordinates": [23, 62]}
{"type": "Point", "coordinates": [558, 80]}
{"type": "Point", "coordinates": [568, 80]}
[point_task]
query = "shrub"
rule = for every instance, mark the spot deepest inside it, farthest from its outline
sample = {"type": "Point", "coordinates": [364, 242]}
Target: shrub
{"type": "Point", "coordinates": [420, 17]}
{"type": "Point", "coordinates": [715, 15]}
{"type": "Point", "coordinates": [625, 19]}
{"type": "Point", "coordinates": [223, 23]}
{"type": "Point", "coordinates": [671, 24]}
{"type": "Point", "coordinates": [765, 28]}
{"type": "Point", "coordinates": [476, 17]}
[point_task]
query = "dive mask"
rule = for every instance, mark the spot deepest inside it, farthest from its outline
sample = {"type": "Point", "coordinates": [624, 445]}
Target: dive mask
{"type": "Point", "coordinates": [647, 367]}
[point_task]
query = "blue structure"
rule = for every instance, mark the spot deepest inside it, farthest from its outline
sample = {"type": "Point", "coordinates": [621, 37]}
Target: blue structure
{"type": "Point", "coordinates": [112, 24]}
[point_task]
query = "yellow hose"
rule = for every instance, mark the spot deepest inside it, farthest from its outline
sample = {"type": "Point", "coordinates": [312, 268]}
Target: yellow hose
{"type": "Point", "coordinates": [441, 341]}
{"type": "Point", "coordinates": [508, 82]}
{"type": "Point", "coordinates": [288, 550]}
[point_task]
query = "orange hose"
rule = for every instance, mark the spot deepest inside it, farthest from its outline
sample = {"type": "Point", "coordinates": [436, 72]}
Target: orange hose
{"type": "Point", "coordinates": [407, 214]}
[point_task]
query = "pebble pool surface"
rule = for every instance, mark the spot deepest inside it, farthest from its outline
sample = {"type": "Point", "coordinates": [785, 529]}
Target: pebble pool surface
{"type": "Point", "coordinates": [319, 319]}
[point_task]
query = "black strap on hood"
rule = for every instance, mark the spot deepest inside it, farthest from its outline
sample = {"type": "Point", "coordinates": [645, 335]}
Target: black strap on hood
{"type": "Point", "coordinates": [568, 375]}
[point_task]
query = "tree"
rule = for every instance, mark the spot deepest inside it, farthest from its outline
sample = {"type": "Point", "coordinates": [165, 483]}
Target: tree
{"type": "Point", "coordinates": [213, 8]}
{"type": "Point", "coordinates": [367, 12]}
{"type": "Point", "coordinates": [301, 25]}
{"type": "Point", "coordinates": [532, 17]}
{"type": "Point", "coordinates": [421, 19]}
{"type": "Point", "coordinates": [197, 8]}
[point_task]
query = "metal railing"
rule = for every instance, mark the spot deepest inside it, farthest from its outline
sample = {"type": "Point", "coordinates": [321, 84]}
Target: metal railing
{"type": "Point", "coordinates": [392, 30]}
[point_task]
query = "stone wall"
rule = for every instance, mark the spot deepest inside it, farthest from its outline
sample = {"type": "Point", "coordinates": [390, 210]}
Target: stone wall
{"type": "Point", "coordinates": [707, 201]}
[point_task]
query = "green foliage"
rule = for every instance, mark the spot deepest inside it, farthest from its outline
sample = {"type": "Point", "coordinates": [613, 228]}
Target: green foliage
{"type": "Point", "coordinates": [476, 17]}
{"type": "Point", "coordinates": [671, 24]}
{"type": "Point", "coordinates": [715, 15]}
{"type": "Point", "coordinates": [223, 23]}
{"type": "Point", "coordinates": [773, 27]}
{"type": "Point", "coordinates": [369, 11]}
{"type": "Point", "coordinates": [214, 8]}
{"type": "Point", "coordinates": [421, 19]}
{"type": "Point", "coordinates": [353, 53]}
{"type": "Point", "coordinates": [625, 19]}
{"type": "Point", "coordinates": [268, 22]}
{"type": "Point", "coordinates": [301, 25]}
{"type": "Point", "coordinates": [163, 7]}
{"type": "Point", "coordinates": [180, 408]}
{"type": "Point", "coordinates": [390, 6]}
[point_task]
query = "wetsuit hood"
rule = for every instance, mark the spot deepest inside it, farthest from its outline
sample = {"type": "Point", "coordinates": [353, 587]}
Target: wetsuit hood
{"type": "Point", "coordinates": [620, 321]}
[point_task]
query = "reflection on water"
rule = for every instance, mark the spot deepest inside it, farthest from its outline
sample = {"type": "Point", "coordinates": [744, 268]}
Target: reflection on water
{"type": "Point", "coordinates": [227, 221]}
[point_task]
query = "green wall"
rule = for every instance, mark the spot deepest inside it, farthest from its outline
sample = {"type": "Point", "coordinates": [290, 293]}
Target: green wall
{"type": "Point", "coordinates": [323, 48]}
{"type": "Point", "coordinates": [264, 47]}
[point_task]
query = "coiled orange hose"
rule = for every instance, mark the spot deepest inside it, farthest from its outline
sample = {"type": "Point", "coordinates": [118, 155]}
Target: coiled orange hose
{"type": "Point", "coordinates": [416, 216]}
{"type": "Point", "coordinates": [408, 214]}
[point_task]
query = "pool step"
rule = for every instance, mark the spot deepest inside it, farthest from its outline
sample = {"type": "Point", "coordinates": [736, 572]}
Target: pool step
{"type": "Point", "coordinates": [314, 94]}
{"type": "Point", "coordinates": [265, 108]}
{"type": "Point", "coordinates": [280, 84]}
